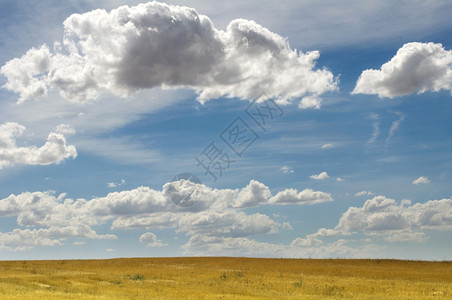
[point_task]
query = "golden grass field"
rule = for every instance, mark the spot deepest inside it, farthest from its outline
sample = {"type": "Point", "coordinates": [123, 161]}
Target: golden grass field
{"type": "Point", "coordinates": [225, 278]}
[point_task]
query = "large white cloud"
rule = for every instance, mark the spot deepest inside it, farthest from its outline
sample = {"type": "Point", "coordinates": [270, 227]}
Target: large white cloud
{"type": "Point", "coordinates": [217, 224]}
{"type": "Point", "coordinates": [417, 67]}
{"type": "Point", "coordinates": [402, 221]}
{"type": "Point", "coordinates": [53, 151]}
{"type": "Point", "coordinates": [381, 218]}
{"type": "Point", "coordinates": [215, 213]}
{"type": "Point", "coordinates": [160, 45]}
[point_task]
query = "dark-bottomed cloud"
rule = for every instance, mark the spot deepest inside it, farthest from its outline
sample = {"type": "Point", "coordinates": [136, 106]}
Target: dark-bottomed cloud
{"type": "Point", "coordinates": [158, 45]}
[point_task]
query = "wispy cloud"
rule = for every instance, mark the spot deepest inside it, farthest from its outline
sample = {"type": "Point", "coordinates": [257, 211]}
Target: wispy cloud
{"type": "Point", "coordinates": [376, 128]}
{"type": "Point", "coordinates": [394, 126]}
{"type": "Point", "coordinates": [286, 169]}
{"type": "Point", "coordinates": [327, 146]}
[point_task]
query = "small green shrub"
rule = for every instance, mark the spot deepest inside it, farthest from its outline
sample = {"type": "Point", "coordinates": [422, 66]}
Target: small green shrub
{"type": "Point", "coordinates": [299, 283]}
{"type": "Point", "coordinates": [137, 277]}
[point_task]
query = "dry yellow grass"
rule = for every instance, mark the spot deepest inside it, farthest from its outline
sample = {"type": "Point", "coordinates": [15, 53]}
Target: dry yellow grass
{"type": "Point", "coordinates": [225, 278]}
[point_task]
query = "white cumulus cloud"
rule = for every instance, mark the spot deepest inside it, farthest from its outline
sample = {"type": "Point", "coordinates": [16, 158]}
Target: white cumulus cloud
{"type": "Point", "coordinates": [310, 102]}
{"type": "Point", "coordinates": [421, 180]}
{"type": "Point", "coordinates": [306, 242]}
{"type": "Point", "coordinates": [53, 151]}
{"type": "Point", "coordinates": [384, 217]}
{"type": "Point", "coordinates": [287, 226]}
{"type": "Point", "coordinates": [158, 45]}
{"type": "Point", "coordinates": [65, 129]}
{"type": "Point", "coordinates": [27, 75]}
{"type": "Point", "coordinates": [151, 239]}
{"type": "Point", "coordinates": [322, 175]}
{"type": "Point", "coordinates": [307, 196]}
{"type": "Point", "coordinates": [322, 232]}
{"type": "Point", "coordinates": [384, 214]}
{"type": "Point", "coordinates": [50, 219]}
{"type": "Point", "coordinates": [417, 67]}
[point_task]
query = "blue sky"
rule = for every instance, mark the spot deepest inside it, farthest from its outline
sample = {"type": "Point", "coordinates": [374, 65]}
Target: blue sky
{"type": "Point", "coordinates": [103, 105]}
